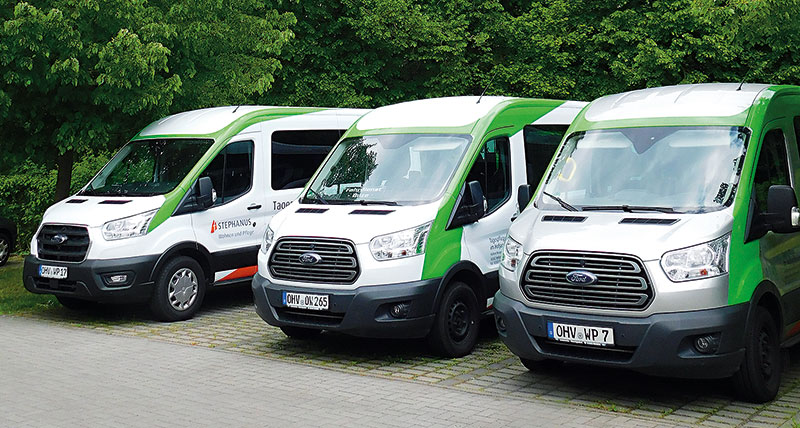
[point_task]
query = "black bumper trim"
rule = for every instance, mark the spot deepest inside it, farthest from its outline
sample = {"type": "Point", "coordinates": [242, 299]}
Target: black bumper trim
{"type": "Point", "coordinates": [84, 280]}
{"type": "Point", "coordinates": [362, 312]}
{"type": "Point", "coordinates": [660, 345]}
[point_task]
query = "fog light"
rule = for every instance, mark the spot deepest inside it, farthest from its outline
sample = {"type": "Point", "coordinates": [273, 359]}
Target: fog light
{"type": "Point", "coordinates": [117, 279]}
{"type": "Point", "coordinates": [707, 344]}
{"type": "Point", "coordinates": [500, 323]}
{"type": "Point", "coordinates": [399, 310]}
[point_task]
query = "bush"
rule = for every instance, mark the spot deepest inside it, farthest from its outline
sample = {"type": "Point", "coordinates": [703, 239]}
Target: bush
{"type": "Point", "coordinates": [28, 191]}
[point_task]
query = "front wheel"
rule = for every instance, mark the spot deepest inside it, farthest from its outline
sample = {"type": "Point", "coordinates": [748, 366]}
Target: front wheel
{"type": "Point", "coordinates": [759, 376]}
{"type": "Point", "coordinates": [456, 326]}
{"type": "Point", "coordinates": [179, 290]}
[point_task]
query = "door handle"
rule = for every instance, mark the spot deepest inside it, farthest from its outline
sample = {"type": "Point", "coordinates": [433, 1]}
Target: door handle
{"type": "Point", "coordinates": [254, 207]}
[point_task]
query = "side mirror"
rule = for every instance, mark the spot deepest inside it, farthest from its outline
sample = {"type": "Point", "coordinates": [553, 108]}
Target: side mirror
{"type": "Point", "coordinates": [471, 208]}
{"type": "Point", "coordinates": [204, 194]}
{"type": "Point", "coordinates": [524, 196]}
{"type": "Point", "coordinates": [782, 215]}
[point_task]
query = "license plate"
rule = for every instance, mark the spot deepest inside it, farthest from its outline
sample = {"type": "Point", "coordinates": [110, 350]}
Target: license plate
{"type": "Point", "coordinates": [316, 302]}
{"type": "Point", "coordinates": [581, 334]}
{"type": "Point", "coordinates": [53, 272]}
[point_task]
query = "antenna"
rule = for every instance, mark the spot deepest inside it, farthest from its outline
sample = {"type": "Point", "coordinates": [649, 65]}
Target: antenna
{"type": "Point", "coordinates": [237, 108]}
{"type": "Point", "coordinates": [487, 86]}
{"type": "Point", "coordinates": [743, 78]}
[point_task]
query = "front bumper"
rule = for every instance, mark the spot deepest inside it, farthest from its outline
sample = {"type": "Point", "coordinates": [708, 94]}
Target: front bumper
{"type": "Point", "coordinates": [85, 280]}
{"type": "Point", "coordinates": [660, 344]}
{"type": "Point", "coordinates": [362, 312]}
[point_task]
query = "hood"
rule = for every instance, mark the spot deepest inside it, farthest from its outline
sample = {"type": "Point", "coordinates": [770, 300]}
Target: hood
{"type": "Point", "coordinates": [358, 223]}
{"type": "Point", "coordinates": [93, 211]}
{"type": "Point", "coordinates": [645, 235]}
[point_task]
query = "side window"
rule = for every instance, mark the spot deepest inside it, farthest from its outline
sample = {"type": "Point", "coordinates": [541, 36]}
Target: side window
{"type": "Point", "coordinates": [297, 154]}
{"type": "Point", "coordinates": [491, 169]}
{"type": "Point", "coordinates": [231, 171]}
{"type": "Point", "coordinates": [541, 143]}
{"type": "Point", "coordinates": [797, 132]}
{"type": "Point", "coordinates": [772, 168]}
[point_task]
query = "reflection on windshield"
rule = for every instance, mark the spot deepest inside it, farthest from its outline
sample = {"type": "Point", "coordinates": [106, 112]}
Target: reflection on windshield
{"type": "Point", "coordinates": [685, 169]}
{"type": "Point", "coordinates": [147, 167]}
{"type": "Point", "coordinates": [390, 169]}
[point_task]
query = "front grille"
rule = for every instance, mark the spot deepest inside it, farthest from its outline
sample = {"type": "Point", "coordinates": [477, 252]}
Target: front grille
{"type": "Point", "coordinates": [617, 354]}
{"type": "Point", "coordinates": [52, 245]}
{"type": "Point", "coordinates": [622, 282]}
{"type": "Point", "coordinates": [320, 318]}
{"type": "Point", "coordinates": [337, 263]}
{"type": "Point", "coordinates": [55, 284]}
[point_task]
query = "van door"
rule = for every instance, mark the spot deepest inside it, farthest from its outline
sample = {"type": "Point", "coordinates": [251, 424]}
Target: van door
{"type": "Point", "coordinates": [231, 230]}
{"type": "Point", "coordinates": [780, 253]}
{"type": "Point", "coordinates": [483, 240]}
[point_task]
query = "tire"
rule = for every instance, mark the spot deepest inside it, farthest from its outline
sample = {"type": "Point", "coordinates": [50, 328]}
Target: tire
{"type": "Point", "coordinates": [759, 376]}
{"type": "Point", "coordinates": [301, 332]}
{"type": "Point", "coordinates": [76, 304]}
{"type": "Point", "coordinates": [5, 248]}
{"type": "Point", "coordinates": [179, 290]}
{"type": "Point", "coordinates": [457, 322]}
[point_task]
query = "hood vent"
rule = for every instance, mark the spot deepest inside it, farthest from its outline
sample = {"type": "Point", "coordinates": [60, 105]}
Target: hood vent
{"type": "Point", "coordinates": [564, 218]}
{"type": "Point", "coordinates": [114, 202]}
{"type": "Point", "coordinates": [76, 201]}
{"type": "Point", "coordinates": [372, 212]}
{"type": "Point", "coordinates": [311, 210]}
{"type": "Point", "coordinates": [655, 221]}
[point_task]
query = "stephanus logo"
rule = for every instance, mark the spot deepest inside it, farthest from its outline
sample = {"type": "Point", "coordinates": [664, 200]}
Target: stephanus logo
{"type": "Point", "coordinates": [224, 225]}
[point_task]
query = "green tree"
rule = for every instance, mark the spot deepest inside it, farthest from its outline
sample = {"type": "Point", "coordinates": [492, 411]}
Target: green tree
{"type": "Point", "coordinates": [81, 76]}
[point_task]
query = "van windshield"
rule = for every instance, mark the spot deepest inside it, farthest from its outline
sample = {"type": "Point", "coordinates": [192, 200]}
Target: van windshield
{"type": "Point", "coordinates": [670, 169]}
{"type": "Point", "coordinates": [147, 167]}
{"type": "Point", "coordinates": [402, 169]}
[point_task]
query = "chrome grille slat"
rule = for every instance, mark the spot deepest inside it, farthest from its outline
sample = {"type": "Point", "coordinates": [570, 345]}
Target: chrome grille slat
{"type": "Point", "coordinates": [622, 282]}
{"type": "Point", "coordinates": [73, 250]}
{"type": "Point", "coordinates": [338, 264]}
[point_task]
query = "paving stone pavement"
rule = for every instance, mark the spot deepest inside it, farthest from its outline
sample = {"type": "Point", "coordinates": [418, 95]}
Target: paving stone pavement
{"type": "Point", "coordinates": [55, 376]}
{"type": "Point", "coordinates": [228, 322]}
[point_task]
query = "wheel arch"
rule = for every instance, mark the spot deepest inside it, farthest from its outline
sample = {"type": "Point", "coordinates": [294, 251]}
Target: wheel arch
{"type": "Point", "coordinates": [468, 273]}
{"type": "Point", "coordinates": [190, 249]}
{"type": "Point", "coordinates": [767, 295]}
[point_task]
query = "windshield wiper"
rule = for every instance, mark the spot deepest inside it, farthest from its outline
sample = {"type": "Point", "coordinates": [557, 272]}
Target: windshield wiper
{"type": "Point", "coordinates": [628, 208]}
{"type": "Point", "coordinates": [319, 197]}
{"type": "Point", "coordinates": [364, 202]}
{"type": "Point", "coordinates": [561, 202]}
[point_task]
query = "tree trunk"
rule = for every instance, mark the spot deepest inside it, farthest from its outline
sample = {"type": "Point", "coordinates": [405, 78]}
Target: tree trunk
{"type": "Point", "coordinates": [64, 163]}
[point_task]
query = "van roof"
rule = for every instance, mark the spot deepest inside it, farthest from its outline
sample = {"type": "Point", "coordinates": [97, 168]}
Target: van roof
{"type": "Point", "coordinates": [209, 121]}
{"type": "Point", "coordinates": [454, 114]}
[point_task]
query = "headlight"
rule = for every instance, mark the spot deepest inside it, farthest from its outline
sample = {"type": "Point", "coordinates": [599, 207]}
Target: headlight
{"type": "Point", "coordinates": [405, 243]}
{"type": "Point", "coordinates": [269, 236]}
{"type": "Point", "coordinates": [512, 253]}
{"type": "Point", "coordinates": [128, 227]}
{"type": "Point", "coordinates": [700, 261]}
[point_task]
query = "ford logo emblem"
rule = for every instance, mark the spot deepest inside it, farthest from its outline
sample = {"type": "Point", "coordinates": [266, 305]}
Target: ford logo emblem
{"type": "Point", "coordinates": [310, 259]}
{"type": "Point", "coordinates": [59, 239]}
{"type": "Point", "coordinates": [581, 277]}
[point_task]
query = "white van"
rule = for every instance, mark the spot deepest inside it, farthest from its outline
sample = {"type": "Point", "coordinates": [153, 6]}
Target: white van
{"type": "Point", "coordinates": [399, 233]}
{"type": "Point", "coordinates": [182, 206]}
